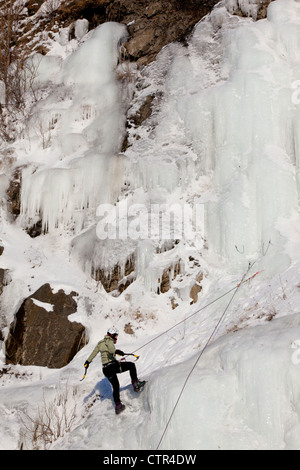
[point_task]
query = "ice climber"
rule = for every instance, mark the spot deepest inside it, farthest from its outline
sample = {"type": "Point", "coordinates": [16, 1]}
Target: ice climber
{"type": "Point", "coordinates": [111, 366]}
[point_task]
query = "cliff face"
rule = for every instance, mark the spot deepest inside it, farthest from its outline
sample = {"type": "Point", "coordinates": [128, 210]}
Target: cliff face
{"type": "Point", "coordinates": [151, 25]}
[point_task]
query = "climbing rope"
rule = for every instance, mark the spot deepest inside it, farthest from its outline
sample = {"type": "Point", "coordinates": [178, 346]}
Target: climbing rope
{"type": "Point", "coordinates": [244, 281]}
{"type": "Point", "coordinates": [235, 289]}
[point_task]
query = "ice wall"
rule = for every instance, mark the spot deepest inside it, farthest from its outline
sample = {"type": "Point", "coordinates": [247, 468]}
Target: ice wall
{"type": "Point", "coordinates": [244, 393]}
{"type": "Point", "coordinates": [90, 71]}
{"type": "Point", "coordinates": [82, 123]}
{"type": "Point", "coordinates": [227, 131]}
{"type": "Point", "coordinates": [247, 7]}
{"type": "Point", "coordinates": [245, 131]}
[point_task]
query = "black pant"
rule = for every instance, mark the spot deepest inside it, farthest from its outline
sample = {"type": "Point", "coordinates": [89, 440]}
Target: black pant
{"type": "Point", "coordinates": [114, 368]}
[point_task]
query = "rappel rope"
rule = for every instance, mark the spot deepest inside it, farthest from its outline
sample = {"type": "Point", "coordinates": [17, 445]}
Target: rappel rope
{"type": "Point", "coordinates": [235, 289]}
{"type": "Point", "coordinates": [244, 281]}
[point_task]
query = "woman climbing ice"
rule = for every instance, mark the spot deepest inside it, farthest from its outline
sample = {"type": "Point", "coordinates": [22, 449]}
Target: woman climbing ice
{"type": "Point", "coordinates": [111, 367]}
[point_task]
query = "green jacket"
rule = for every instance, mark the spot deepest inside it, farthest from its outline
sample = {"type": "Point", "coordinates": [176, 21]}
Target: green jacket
{"type": "Point", "coordinates": [106, 348]}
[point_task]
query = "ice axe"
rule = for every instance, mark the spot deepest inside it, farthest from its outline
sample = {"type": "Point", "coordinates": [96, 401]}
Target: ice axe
{"type": "Point", "coordinates": [84, 376]}
{"type": "Point", "coordinates": [85, 371]}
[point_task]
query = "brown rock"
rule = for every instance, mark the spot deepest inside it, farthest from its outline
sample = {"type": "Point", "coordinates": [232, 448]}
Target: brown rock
{"type": "Point", "coordinates": [166, 279]}
{"type": "Point", "coordinates": [128, 329]}
{"type": "Point", "coordinates": [116, 280]}
{"type": "Point", "coordinates": [144, 111]}
{"type": "Point", "coordinates": [196, 289]}
{"type": "Point", "coordinates": [261, 11]}
{"type": "Point", "coordinates": [14, 193]}
{"type": "Point", "coordinates": [33, 6]}
{"type": "Point", "coordinates": [151, 25]}
{"type": "Point", "coordinates": [2, 279]}
{"type": "Point", "coordinates": [141, 42]}
{"type": "Point", "coordinates": [45, 338]}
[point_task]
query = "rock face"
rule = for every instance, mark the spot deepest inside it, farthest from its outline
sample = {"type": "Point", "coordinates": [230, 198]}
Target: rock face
{"type": "Point", "coordinates": [117, 280]}
{"type": "Point", "coordinates": [196, 289]}
{"type": "Point", "coordinates": [14, 193]}
{"type": "Point", "coordinates": [3, 274]}
{"type": "Point", "coordinates": [42, 334]}
{"type": "Point", "coordinates": [2, 279]}
{"type": "Point", "coordinates": [152, 25]}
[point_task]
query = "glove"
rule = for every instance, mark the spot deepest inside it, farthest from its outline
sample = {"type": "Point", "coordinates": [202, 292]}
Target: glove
{"type": "Point", "coordinates": [86, 364]}
{"type": "Point", "coordinates": [119, 352]}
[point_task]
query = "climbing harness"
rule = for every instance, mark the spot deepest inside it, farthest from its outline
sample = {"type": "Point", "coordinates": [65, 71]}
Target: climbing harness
{"type": "Point", "coordinates": [123, 359]}
{"type": "Point", "coordinates": [235, 289]}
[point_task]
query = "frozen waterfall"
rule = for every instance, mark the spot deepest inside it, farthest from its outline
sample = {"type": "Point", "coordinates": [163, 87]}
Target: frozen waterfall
{"type": "Point", "coordinates": [227, 133]}
{"type": "Point", "coordinates": [245, 129]}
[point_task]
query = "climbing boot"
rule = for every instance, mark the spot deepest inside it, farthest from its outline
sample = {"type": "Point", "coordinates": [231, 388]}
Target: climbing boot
{"type": "Point", "coordinates": [138, 385]}
{"type": "Point", "coordinates": [119, 408]}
